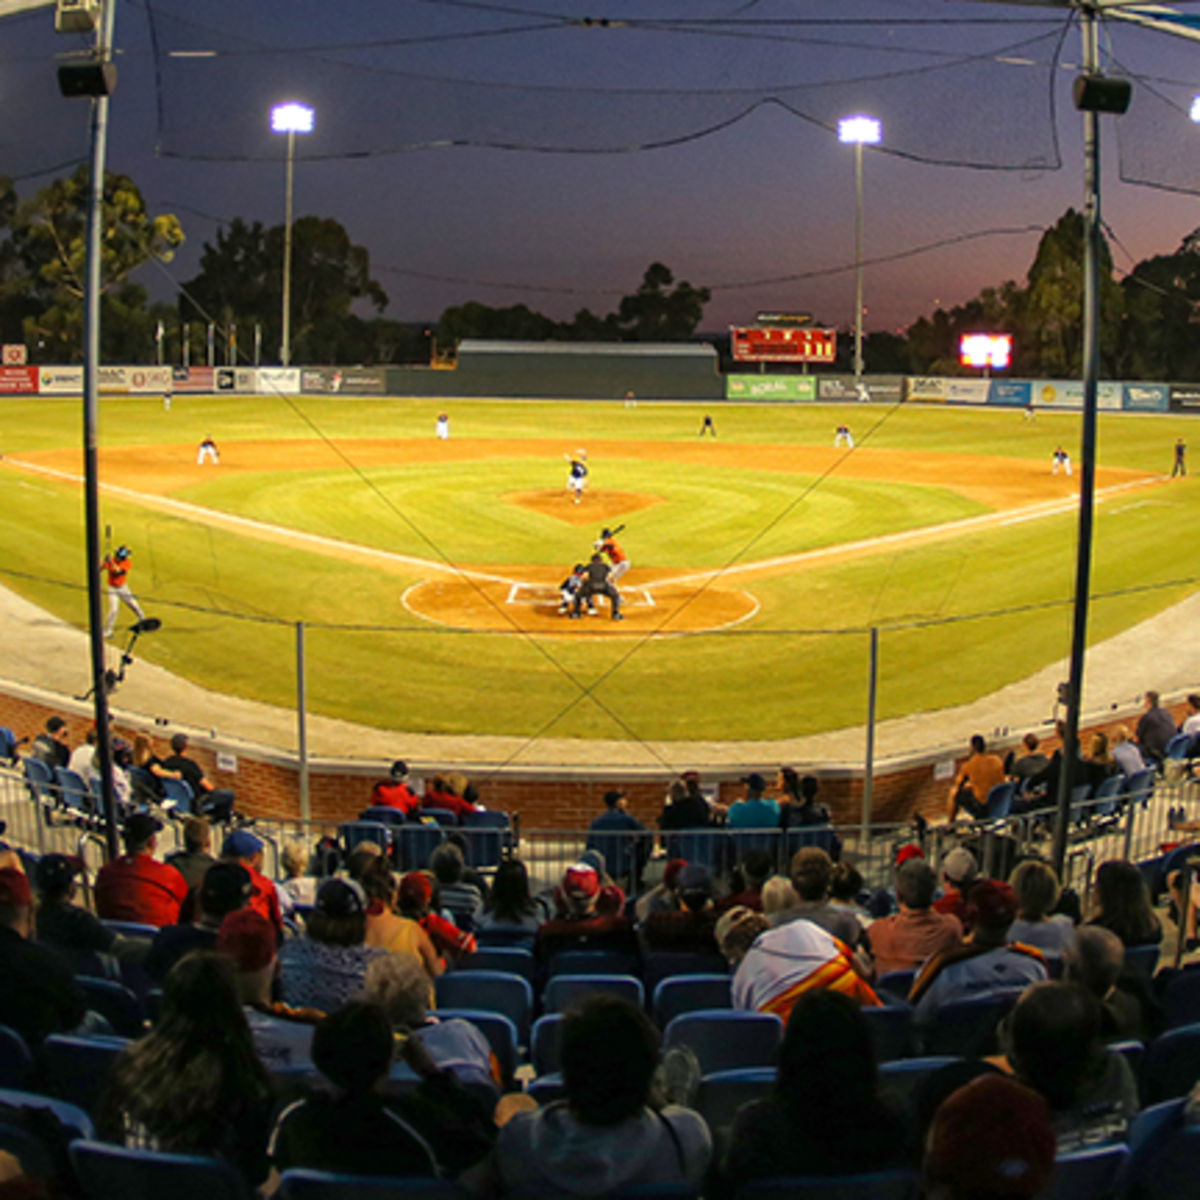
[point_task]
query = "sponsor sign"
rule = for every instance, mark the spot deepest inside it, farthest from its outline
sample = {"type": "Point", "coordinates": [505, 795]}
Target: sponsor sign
{"type": "Point", "coordinates": [926, 387]}
{"type": "Point", "coordinates": [60, 381]}
{"type": "Point", "coordinates": [771, 387]}
{"type": "Point", "coordinates": [226, 379]}
{"type": "Point", "coordinates": [273, 381]}
{"type": "Point", "coordinates": [23, 380]}
{"type": "Point", "coordinates": [1185, 396]}
{"type": "Point", "coordinates": [195, 379]}
{"type": "Point", "coordinates": [349, 381]}
{"type": "Point", "coordinates": [888, 388]}
{"type": "Point", "coordinates": [1147, 397]}
{"type": "Point", "coordinates": [1011, 393]}
{"type": "Point", "coordinates": [13, 355]}
{"type": "Point", "coordinates": [787, 344]}
{"type": "Point", "coordinates": [1068, 393]}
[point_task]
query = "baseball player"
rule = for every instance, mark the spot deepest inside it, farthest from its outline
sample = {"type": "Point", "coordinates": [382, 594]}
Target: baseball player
{"type": "Point", "coordinates": [443, 427]}
{"type": "Point", "coordinates": [1179, 467]}
{"type": "Point", "coordinates": [843, 437]}
{"type": "Point", "coordinates": [597, 583]}
{"type": "Point", "coordinates": [569, 588]}
{"type": "Point", "coordinates": [116, 567]}
{"type": "Point", "coordinates": [577, 474]}
{"type": "Point", "coordinates": [707, 426]}
{"type": "Point", "coordinates": [208, 450]}
{"type": "Point", "coordinates": [607, 544]}
{"type": "Point", "coordinates": [1060, 459]}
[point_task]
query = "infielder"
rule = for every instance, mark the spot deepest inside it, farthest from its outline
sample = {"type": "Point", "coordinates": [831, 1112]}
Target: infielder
{"type": "Point", "coordinates": [1060, 459]}
{"type": "Point", "coordinates": [208, 450]}
{"type": "Point", "coordinates": [843, 437]}
{"type": "Point", "coordinates": [607, 544]}
{"type": "Point", "coordinates": [116, 567]}
{"type": "Point", "coordinates": [443, 427]}
{"type": "Point", "coordinates": [577, 474]}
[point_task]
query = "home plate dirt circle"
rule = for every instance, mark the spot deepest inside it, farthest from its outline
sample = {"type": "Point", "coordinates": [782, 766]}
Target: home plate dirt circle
{"type": "Point", "coordinates": [531, 606]}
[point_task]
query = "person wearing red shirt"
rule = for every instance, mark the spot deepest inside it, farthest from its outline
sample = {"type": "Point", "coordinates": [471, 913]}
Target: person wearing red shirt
{"type": "Point", "coordinates": [395, 792]}
{"type": "Point", "coordinates": [242, 846]}
{"type": "Point", "coordinates": [136, 886]}
{"type": "Point", "coordinates": [441, 794]}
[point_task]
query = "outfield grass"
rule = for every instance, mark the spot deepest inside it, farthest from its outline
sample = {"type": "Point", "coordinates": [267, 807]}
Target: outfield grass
{"type": "Point", "coordinates": [798, 667]}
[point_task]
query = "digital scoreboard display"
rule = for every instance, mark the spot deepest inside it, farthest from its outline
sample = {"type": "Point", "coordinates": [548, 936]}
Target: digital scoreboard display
{"type": "Point", "coordinates": [787, 344]}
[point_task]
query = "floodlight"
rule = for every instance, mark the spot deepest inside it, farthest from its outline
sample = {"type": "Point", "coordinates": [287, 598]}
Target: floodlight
{"type": "Point", "coordinates": [292, 118]}
{"type": "Point", "coordinates": [863, 131]}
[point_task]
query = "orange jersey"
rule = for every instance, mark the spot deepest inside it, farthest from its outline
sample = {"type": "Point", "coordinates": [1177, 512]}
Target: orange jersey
{"type": "Point", "coordinates": [117, 571]}
{"type": "Point", "coordinates": [614, 552]}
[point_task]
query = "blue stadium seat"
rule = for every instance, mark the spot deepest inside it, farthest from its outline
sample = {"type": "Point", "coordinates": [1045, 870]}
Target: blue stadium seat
{"type": "Point", "coordinates": [179, 793]}
{"type": "Point", "coordinates": [1172, 1065]}
{"type": "Point", "coordinates": [78, 1067]}
{"type": "Point", "coordinates": [883, 1185]}
{"type": "Point", "coordinates": [352, 833]}
{"type": "Point", "coordinates": [545, 1044]}
{"type": "Point", "coordinates": [546, 1089]}
{"type": "Point", "coordinates": [119, 1006]}
{"type": "Point", "coordinates": [1000, 800]}
{"type": "Point", "coordinates": [1141, 961]}
{"type": "Point", "coordinates": [592, 962]}
{"type": "Point", "coordinates": [564, 991]}
{"type": "Point", "coordinates": [512, 960]}
{"type": "Point", "coordinates": [1107, 796]}
{"type": "Point", "coordinates": [968, 1027]}
{"type": "Point", "coordinates": [896, 983]}
{"type": "Point", "coordinates": [74, 792]}
{"type": "Point", "coordinates": [500, 1032]}
{"type": "Point", "coordinates": [902, 1076]}
{"type": "Point", "coordinates": [106, 1171]}
{"type": "Point", "coordinates": [131, 929]}
{"type": "Point", "coordinates": [8, 745]}
{"type": "Point", "coordinates": [383, 814]}
{"type": "Point", "coordinates": [322, 1185]}
{"type": "Point", "coordinates": [39, 779]}
{"type": "Point", "coordinates": [1164, 1151]}
{"type": "Point", "coordinates": [722, 1093]}
{"type": "Point", "coordinates": [678, 994]}
{"type": "Point", "coordinates": [708, 847]}
{"type": "Point", "coordinates": [663, 964]}
{"type": "Point", "coordinates": [490, 991]}
{"type": "Point", "coordinates": [443, 816]}
{"type": "Point", "coordinates": [1181, 1000]}
{"type": "Point", "coordinates": [726, 1040]}
{"type": "Point", "coordinates": [16, 1062]}
{"type": "Point", "coordinates": [416, 843]}
{"type": "Point", "coordinates": [39, 1157]}
{"type": "Point", "coordinates": [489, 838]}
{"type": "Point", "coordinates": [1086, 1174]}
{"type": "Point", "coordinates": [890, 1026]}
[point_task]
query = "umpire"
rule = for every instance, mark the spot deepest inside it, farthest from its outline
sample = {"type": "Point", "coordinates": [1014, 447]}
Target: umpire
{"type": "Point", "coordinates": [597, 583]}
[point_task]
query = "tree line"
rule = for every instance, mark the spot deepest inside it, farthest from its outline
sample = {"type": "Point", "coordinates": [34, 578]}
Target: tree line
{"type": "Point", "coordinates": [1147, 328]}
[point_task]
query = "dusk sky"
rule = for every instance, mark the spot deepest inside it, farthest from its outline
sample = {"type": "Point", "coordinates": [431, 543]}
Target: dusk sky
{"type": "Point", "coordinates": [749, 184]}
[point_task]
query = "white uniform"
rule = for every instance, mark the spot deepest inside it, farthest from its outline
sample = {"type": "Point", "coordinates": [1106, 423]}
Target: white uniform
{"type": "Point", "coordinates": [843, 437]}
{"type": "Point", "coordinates": [443, 428]}
{"type": "Point", "coordinates": [208, 450]}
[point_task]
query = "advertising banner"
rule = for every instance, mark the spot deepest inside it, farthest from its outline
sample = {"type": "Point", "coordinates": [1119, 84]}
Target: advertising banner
{"type": "Point", "coordinates": [273, 381]}
{"type": "Point", "coordinates": [195, 379]}
{"type": "Point", "coordinates": [145, 381]}
{"type": "Point", "coordinates": [14, 354]}
{"type": "Point", "coordinates": [225, 379]}
{"type": "Point", "coordinates": [770, 387]}
{"type": "Point", "coordinates": [1185, 397]}
{"type": "Point", "coordinates": [18, 380]}
{"type": "Point", "coordinates": [60, 381]}
{"type": "Point", "coordinates": [1068, 393]}
{"type": "Point", "coordinates": [1147, 397]}
{"type": "Point", "coordinates": [1011, 393]}
{"type": "Point", "coordinates": [886, 388]}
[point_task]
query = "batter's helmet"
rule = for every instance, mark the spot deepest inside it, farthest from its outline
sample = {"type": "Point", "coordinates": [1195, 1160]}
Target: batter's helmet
{"type": "Point", "coordinates": [122, 551]}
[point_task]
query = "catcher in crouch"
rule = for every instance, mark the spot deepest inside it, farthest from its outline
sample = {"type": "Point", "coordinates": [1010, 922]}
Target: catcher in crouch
{"type": "Point", "coordinates": [597, 583]}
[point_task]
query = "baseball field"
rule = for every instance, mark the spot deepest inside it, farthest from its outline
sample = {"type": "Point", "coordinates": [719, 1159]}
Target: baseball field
{"type": "Point", "coordinates": [426, 571]}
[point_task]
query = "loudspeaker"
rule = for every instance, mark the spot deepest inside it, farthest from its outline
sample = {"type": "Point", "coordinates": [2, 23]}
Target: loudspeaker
{"type": "Point", "coordinates": [87, 79]}
{"type": "Point", "coordinates": [1097, 93]}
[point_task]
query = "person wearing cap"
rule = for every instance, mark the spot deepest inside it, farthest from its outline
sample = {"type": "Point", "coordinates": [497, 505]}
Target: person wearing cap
{"type": "Point", "coordinates": [693, 927]}
{"type": "Point", "coordinates": [394, 791]}
{"type": "Point", "coordinates": [52, 745]}
{"type": "Point", "coordinates": [244, 847]}
{"type": "Point", "coordinates": [325, 968]}
{"type": "Point", "coordinates": [399, 935]}
{"type": "Point", "coordinates": [196, 856]}
{"type": "Point", "coordinates": [225, 889]}
{"type": "Point", "coordinates": [975, 779]}
{"type": "Point", "coordinates": [583, 926]}
{"type": "Point", "coordinates": [136, 886]}
{"type": "Point", "coordinates": [663, 897]}
{"type": "Point", "coordinates": [812, 877]}
{"type": "Point", "coordinates": [115, 569]}
{"type": "Point", "coordinates": [755, 811]}
{"type": "Point", "coordinates": [416, 897]}
{"type": "Point", "coordinates": [215, 803]}
{"type": "Point", "coordinates": [959, 873]}
{"type": "Point", "coordinates": [38, 992]}
{"type": "Point", "coordinates": [72, 930]}
{"type": "Point", "coordinates": [617, 834]}
{"type": "Point", "coordinates": [916, 933]}
{"type": "Point", "coordinates": [991, 1140]}
{"type": "Point", "coordinates": [984, 964]}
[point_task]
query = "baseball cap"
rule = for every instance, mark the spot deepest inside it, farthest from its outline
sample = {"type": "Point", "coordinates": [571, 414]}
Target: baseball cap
{"type": "Point", "coordinates": [672, 871]}
{"type": "Point", "coordinates": [416, 888]}
{"type": "Point", "coordinates": [959, 865]}
{"type": "Point", "coordinates": [341, 898]}
{"type": "Point", "coordinates": [755, 782]}
{"type": "Point", "coordinates": [241, 843]}
{"type": "Point", "coordinates": [248, 938]}
{"type": "Point", "coordinates": [226, 887]}
{"type": "Point", "coordinates": [54, 872]}
{"type": "Point", "coordinates": [140, 828]}
{"type": "Point", "coordinates": [695, 878]}
{"type": "Point", "coordinates": [992, 1138]}
{"type": "Point", "coordinates": [399, 769]}
{"type": "Point", "coordinates": [581, 880]}
{"type": "Point", "coordinates": [15, 891]}
{"type": "Point", "coordinates": [911, 850]}
{"type": "Point", "coordinates": [991, 904]}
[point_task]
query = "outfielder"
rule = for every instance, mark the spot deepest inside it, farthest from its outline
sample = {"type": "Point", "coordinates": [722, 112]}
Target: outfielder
{"type": "Point", "coordinates": [443, 427]}
{"type": "Point", "coordinates": [1060, 459]}
{"type": "Point", "coordinates": [607, 544]}
{"type": "Point", "coordinates": [208, 450]}
{"type": "Point", "coordinates": [843, 437]}
{"type": "Point", "coordinates": [116, 567]}
{"type": "Point", "coordinates": [577, 475]}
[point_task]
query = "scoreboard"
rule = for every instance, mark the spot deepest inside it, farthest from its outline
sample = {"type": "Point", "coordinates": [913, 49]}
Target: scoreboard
{"type": "Point", "coordinates": [757, 344]}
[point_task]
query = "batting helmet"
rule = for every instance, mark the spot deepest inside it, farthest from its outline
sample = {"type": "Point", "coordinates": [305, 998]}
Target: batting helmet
{"type": "Point", "coordinates": [122, 552]}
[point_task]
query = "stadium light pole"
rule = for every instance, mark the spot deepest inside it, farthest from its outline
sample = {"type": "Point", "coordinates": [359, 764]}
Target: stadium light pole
{"type": "Point", "coordinates": [858, 132]}
{"type": "Point", "coordinates": [290, 118]}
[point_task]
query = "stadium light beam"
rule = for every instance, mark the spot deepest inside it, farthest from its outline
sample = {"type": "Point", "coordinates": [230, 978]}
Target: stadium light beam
{"type": "Point", "coordinates": [859, 131]}
{"type": "Point", "coordinates": [291, 119]}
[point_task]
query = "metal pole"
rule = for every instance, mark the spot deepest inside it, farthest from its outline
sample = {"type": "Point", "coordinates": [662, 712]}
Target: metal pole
{"type": "Point", "coordinates": [285, 346]}
{"type": "Point", "coordinates": [91, 422]}
{"type": "Point", "coordinates": [302, 723]}
{"type": "Point", "coordinates": [858, 267]}
{"type": "Point", "coordinates": [1087, 471]}
{"type": "Point", "coordinates": [185, 354]}
{"type": "Point", "coordinates": [872, 697]}
{"type": "Point", "coordinates": [257, 345]}
{"type": "Point", "coordinates": [212, 344]}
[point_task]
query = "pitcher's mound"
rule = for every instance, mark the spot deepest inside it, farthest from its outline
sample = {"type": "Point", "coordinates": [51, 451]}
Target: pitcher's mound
{"type": "Point", "coordinates": [603, 506]}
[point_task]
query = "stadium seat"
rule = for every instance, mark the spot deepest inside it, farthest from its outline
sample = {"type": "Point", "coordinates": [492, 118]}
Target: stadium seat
{"type": "Point", "coordinates": [132, 929]}
{"type": "Point", "coordinates": [883, 1185]}
{"type": "Point", "coordinates": [74, 792]}
{"type": "Point", "coordinates": [1164, 1151]}
{"type": "Point", "coordinates": [545, 1044]}
{"type": "Point", "coordinates": [1107, 797]}
{"type": "Point", "coordinates": [562, 992]}
{"type": "Point", "coordinates": [500, 1032]}
{"type": "Point", "coordinates": [722, 1093]}
{"type": "Point", "coordinates": [383, 814]}
{"type": "Point", "coordinates": [592, 962]}
{"type": "Point", "coordinates": [416, 843]}
{"type": "Point", "coordinates": [1177, 747]}
{"type": "Point", "coordinates": [1181, 1000]}
{"type": "Point", "coordinates": [8, 745]}
{"type": "Point", "coordinates": [495, 936]}
{"type": "Point", "coordinates": [443, 816]}
{"type": "Point", "coordinates": [1133, 1052]}
{"type": "Point", "coordinates": [178, 792]}
{"type": "Point", "coordinates": [1141, 961]}
{"type": "Point", "coordinates": [726, 1040]}
{"type": "Point", "coordinates": [1000, 800]}
{"type": "Point", "coordinates": [901, 1077]}
{"type": "Point", "coordinates": [546, 1089]}
{"type": "Point", "coordinates": [78, 1067]}
{"type": "Point", "coordinates": [39, 1156]}
{"type": "Point", "coordinates": [664, 964]}
{"type": "Point", "coordinates": [115, 1003]}
{"type": "Point", "coordinates": [323, 1185]}
{"type": "Point", "coordinates": [490, 991]}
{"type": "Point", "coordinates": [708, 847]}
{"type": "Point", "coordinates": [16, 1062]}
{"type": "Point", "coordinates": [489, 838]}
{"type": "Point", "coordinates": [896, 983]}
{"type": "Point", "coordinates": [351, 834]}
{"type": "Point", "coordinates": [1081, 793]}
{"type": "Point", "coordinates": [624, 855]}
{"type": "Point", "coordinates": [890, 1026]}
{"type": "Point", "coordinates": [967, 1028]}
{"type": "Point", "coordinates": [513, 960]}
{"type": "Point", "coordinates": [1085, 1174]}
{"type": "Point", "coordinates": [106, 1171]}
{"type": "Point", "coordinates": [680, 994]}
{"type": "Point", "coordinates": [1172, 1065]}
{"type": "Point", "coordinates": [1140, 786]}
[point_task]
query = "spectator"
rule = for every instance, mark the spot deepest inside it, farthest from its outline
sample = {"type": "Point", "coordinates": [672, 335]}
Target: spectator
{"type": "Point", "coordinates": [390, 931]}
{"type": "Point", "coordinates": [73, 931]}
{"type": "Point", "coordinates": [325, 969]}
{"type": "Point", "coordinates": [509, 905]}
{"type": "Point", "coordinates": [147, 784]}
{"type": "Point", "coordinates": [394, 792]}
{"type": "Point", "coordinates": [1037, 890]}
{"type": "Point", "coordinates": [1191, 723]}
{"type": "Point", "coordinates": [282, 1035]}
{"type": "Point", "coordinates": [825, 1115]}
{"type": "Point", "coordinates": [215, 803]}
{"type": "Point", "coordinates": [194, 1085]}
{"type": "Point", "coordinates": [1030, 762]}
{"type": "Point", "coordinates": [225, 889]}
{"type": "Point", "coordinates": [297, 882]}
{"type": "Point", "coordinates": [353, 1128]}
{"type": "Point", "coordinates": [196, 856]}
{"type": "Point", "coordinates": [1155, 728]}
{"type": "Point", "coordinates": [583, 926]}
{"type": "Point", "coordinates": [53, 746]}
{"type": "Point", "coordinates": [1053, 1042]}
{"type": "Point", "coordinates": [618, 835]}
{"type": "Point", "coordinates": [663, 897]}
{"type": "Point", "coordinates": [1096, 962]}
{"type": "Point", "coordinates": [991, 1139]}
{"type": "Point", "coordinates": [606, 1136]}
{"type": "Point", "coordinates": [916, 933]}
{"type": "Point", "coordinates": [846, 889]}
{"type": "Point", "coordinates": [984, 964]}
{"type": "Point", "coordinates": [137, 887]}
{"type": "Point", "coordinates": [38, 993]}
{"type": "Point", "coordinates": [755, 811]}
{"type": "Point", "coordinates": [778, 896]}
{"type": "Point", "coordinates": [747, 881]}
{"type": "Point", "coordinates": [812, 875]}
{"type": "Point", "coordinates": [398, 985]}
{"type": "Point", "coordinates": [1125, 752]}
{"type": "Point", "coordinates": [959, 873]}
{"type": "Point", "coordinates": [415, 899]}
{"type": "Point", "coordinates": [242, 846]}
{"type": "Point", "coordinates": [693, 927]}
{"type": "Point", "coordinates": [81, 760]}
{"type": "Point", "coordinates": [460, 899]}
{"type": "Point", "coordinates": [975, 779]}
{"type": "Point", "coordinates": [686, 807]}
{"type": "Point", "coordinates": [775, 967]}
{"type": "Point", "coordinates": [452, 793]}
{"type": "Point", "coordinates": [1099, 764]}
{"type": "Point", "coordinates": [800, 797]}
{"type": "Point", "coordinates": [1123, 904]}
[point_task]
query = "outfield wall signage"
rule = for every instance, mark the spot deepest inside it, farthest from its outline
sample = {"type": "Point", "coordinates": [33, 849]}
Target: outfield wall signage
{"type": "Point", "coordinates": [273, 381]}
{"type": "Point", "coordinates": [1185, 397]}
{"type": "Point", "coordinates": [195, 379]}
{"type": "Point", "coordinates": [350, 381]}
{"type": "Point", "coordinates": [60, 381]}
{"type": "Point", "coordinates": [1147, 397]}
{"type": "Point", "coordinates": [18, 381]}
{"type": "Point", "coordinates": [770, 387]}
{"type": "Point", "coordinates": [1011, 393]}
{"type": "Point", "coordinates": [886, 388]}
{"type": "Point", "coordinates": [1068, 393]}
{"type": "Point", "coordinates": [136, 381]}
{"type": "Point", "coordinates": [949, 390]}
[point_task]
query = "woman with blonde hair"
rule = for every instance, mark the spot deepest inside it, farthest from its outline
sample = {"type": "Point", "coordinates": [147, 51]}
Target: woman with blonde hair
{"type": "Point", "coordinates": [778, 894]}
{"type": "Point", "coordinates": [387, 929]}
